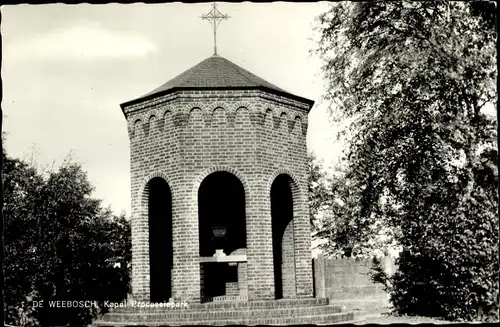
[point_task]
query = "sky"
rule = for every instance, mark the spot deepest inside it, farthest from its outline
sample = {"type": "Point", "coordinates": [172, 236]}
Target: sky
{"type": "Point", "coordinates": [67, 68]}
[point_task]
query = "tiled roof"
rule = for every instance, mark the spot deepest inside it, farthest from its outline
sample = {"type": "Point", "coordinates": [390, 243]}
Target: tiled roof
{"type": "Point", "coordinates": [214, 72]}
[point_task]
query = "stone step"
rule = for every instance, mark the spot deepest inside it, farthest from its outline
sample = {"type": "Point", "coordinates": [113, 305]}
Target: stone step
{"type": "Point", "coordinates": [231, 305]}
{"type": "Point", "coordinates": [284, 320]}
{"type": "Point", "coordinates": [240, 313]}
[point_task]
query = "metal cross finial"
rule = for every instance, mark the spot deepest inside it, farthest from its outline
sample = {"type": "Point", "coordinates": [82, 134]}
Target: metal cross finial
{"type": "Point", "coordinates": [215, 17]}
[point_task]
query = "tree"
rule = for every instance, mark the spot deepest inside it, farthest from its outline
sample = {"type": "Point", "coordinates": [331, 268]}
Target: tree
{"type": "Point", "coordinates": [319, 196]}
{"type": "Point", "coordinates": [21, 184]}
{"type": "Point", "coordinates": [413, 81]}
{"type": "Point", "coordinates": [340, 225]}
{"type": "Point", "coordinates": [59, 245]}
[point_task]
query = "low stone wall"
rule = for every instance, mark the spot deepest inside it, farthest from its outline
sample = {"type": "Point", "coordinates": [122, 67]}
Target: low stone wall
{"type": "Point", "coordinates": [346, 282]}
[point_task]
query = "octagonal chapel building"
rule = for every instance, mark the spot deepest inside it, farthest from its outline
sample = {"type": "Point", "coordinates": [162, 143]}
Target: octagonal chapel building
{"type": "Point", "coordinates": [219, 188]}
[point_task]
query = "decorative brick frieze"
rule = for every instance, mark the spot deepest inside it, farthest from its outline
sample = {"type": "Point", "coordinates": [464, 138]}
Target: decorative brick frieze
{"type": "Point", "coordinates": [292, 117]}
{"type": "Point", "coordinates": [227, 96]}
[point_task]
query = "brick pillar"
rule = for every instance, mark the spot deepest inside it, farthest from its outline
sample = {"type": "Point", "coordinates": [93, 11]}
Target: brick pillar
{"type": "Point", "coordinates": [319, 276]}
{"type": "Point", "coordinates": [232, 287]}
{"type": "Point", "coordinates": [302, 239]}
{"type": "Point", "coordinates": [140, 255]}
{"type": "Point", "coordinates": [242, 279]}
{"type": "Point", "coordinates": [288, 263]}
{"type": "Point", "coordinates": [260, 273]}
{"type": "Point", "coordinates": [186, 269]}
{"type": "Point", "coordinates": [140, 240]}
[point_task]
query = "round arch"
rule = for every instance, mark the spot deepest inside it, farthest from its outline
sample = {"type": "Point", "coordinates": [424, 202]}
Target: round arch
{"type": "Point", "coordinates": [294, 182]}
{"type": "Point", "coordinates": [144, 188]}
{"type": "Point", "coordinates": [221, 194]}
{"type": "Point", "coordinates": [284, 201]}
{"type": "Point", "coordinates": [199, 179]}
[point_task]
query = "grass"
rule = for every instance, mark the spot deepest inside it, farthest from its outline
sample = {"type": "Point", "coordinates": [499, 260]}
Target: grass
{"type": "Point", "coordinates": [386, 318]}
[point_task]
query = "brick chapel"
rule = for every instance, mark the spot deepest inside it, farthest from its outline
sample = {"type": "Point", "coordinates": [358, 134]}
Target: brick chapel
{"type": "Point", "coordinates": [219, 188]}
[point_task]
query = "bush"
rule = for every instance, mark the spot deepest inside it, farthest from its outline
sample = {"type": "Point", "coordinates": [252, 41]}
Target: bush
{"type": "Point", "coordinates": [59, 245]}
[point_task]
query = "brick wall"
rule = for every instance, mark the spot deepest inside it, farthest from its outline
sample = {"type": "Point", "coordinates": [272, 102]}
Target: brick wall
{"type": "Point", "coordinates": [347, 282]}
{"type": "Point", "coordinates": [183, 137]}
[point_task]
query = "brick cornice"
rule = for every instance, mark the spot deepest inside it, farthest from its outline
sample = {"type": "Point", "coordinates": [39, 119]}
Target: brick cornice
{"type": "Point", "coordinates": [200, 96]}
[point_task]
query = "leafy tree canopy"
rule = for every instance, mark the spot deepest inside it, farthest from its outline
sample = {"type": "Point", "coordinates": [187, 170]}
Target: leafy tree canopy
{"type": "Point", "coordinates": [416, 83]}
{"type": "Point", "coordinates": [60, 244]}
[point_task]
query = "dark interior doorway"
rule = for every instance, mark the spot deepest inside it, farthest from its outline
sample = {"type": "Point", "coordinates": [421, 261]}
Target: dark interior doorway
{"type": "Point", "coordinates": [283, 243]}
{"type": "Point", "coordinates": [160, 240]}
{"type": "Point", "coordinates": [221, 202]}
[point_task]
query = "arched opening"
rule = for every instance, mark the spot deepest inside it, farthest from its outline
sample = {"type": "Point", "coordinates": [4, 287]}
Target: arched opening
{"type": "Point", "coordinates": [221, 214]}
{"type": "Point", "coordinates": [160, 239]}
{"type": "Point", "coordinates": [283, 238]}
